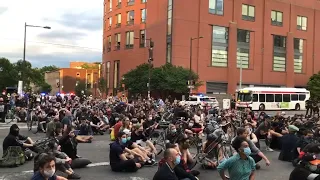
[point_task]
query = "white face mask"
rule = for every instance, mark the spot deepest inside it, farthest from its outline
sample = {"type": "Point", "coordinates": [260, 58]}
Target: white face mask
{"type": "Point", "coordinates": [49, 173]}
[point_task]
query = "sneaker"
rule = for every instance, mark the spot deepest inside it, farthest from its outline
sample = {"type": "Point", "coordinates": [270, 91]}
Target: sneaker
{"type": "Point", "coordinates": [149, 163]}
{"type": "Point", "coordinates": [269, 149]}
{"type": "Point", "coordinates": [258, 166]}
{"type": "Point", "coordinates": [73, 176]}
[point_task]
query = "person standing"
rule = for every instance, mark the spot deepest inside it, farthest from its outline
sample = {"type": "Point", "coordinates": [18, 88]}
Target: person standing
{"type": "Point", "coordinates": [3, 110]}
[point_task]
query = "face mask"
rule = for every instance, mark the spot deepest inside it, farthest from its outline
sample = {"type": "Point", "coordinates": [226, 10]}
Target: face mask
{"type": "Point", "coordinates": [190, 124]}
{"type": "Point", "coordinates": [124, 140]}
{"type": "Point", "coordinates": [247, 151]}
{"type": "Point", "coordinates": [128, 138]}
{"type": "Point", "coordinates": [177, 161]}
{"type": "Point", "coordinates": [249, 130]}
{"type": "Point", "coordinates": [173, 130]}
{"type": "Point", "coordinates": [49, 173]}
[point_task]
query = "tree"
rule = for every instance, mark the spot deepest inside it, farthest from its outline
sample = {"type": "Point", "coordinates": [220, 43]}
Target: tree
{"type": "Point", "coordinates": [81, 87]}
{"type": "Point", "coordinates": [87, 66]}
{"type": "Point", "coordinates": [314, 86]}
{"type": "Point", "coordinates": [45, 69]}
{"type": "Point", "coordinates": [102, 85]}
{"type": "Point", "coordinates": [165, 79]}
{"type": "Point", "coordinates": [45, 87]}
{"type": "Point", "coordinates": [8, 75]}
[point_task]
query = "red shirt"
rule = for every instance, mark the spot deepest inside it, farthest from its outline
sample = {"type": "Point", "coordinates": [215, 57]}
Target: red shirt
{"type": "Point", "coordinates": [117, 127]}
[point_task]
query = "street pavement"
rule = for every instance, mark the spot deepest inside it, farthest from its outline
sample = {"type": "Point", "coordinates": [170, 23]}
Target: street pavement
{"type": "Point", "coordinates": [98, 153]}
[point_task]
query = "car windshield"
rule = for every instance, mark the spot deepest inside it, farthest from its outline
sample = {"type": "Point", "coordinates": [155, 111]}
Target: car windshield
{"type": "Point", "coordinates": [192, 99]}
{"type": "Point", "coordinates": [244, 97]}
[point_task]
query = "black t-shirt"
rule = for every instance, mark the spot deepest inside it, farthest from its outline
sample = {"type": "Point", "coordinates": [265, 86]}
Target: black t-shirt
{"type": "Point", "coordinates": [262, 127]}
{"type": "Point", "coordinates": [136, 137]}
{"type": "Point", "coordinates": [116, 149]}
{"type": "Point", "coordinates": [12, 140]}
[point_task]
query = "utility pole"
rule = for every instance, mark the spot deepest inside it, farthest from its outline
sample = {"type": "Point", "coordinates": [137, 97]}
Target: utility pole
{"type": "Point", "coordinates": [190, 81]}
{"type": "Point", "coordinates": [150, 60]}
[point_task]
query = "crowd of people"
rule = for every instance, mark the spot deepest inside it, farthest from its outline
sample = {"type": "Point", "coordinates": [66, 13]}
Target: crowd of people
{"type": "Point", "coordinates": [232, 138]}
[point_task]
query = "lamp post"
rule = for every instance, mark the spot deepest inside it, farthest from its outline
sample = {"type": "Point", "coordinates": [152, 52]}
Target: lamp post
{"type": "Point", "coordinates": [150, 61]}
{"type": "Point", "coordinates": [190, 82]}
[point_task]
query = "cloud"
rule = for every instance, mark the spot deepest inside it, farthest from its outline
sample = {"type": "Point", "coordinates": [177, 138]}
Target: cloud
{"type": "Point", "coordinates": [3, 10]}
{"type": "Point", "coordinates": [62, 35]}
{"type": "Point", "coordinates": [90, 20]}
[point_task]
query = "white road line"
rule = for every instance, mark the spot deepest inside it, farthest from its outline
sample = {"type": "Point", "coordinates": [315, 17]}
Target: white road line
{"type": "Point", "coordinates": [89, 165]}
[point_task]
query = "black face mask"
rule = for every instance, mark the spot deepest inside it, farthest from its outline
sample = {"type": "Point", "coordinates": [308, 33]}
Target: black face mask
{"type": "Point", "coordinates": [15, 132]}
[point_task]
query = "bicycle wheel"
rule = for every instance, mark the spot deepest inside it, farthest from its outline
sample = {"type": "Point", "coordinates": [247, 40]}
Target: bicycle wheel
{"type": "Point", "coordinates": [226, 150]}
{"type": "Point", "coordinates": [158, 141]}
{"type": "Point", "coordinates": [34, 125]}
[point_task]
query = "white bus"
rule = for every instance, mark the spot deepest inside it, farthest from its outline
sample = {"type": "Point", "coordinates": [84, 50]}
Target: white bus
{"type": "Point", "coordinates": [264, 98]}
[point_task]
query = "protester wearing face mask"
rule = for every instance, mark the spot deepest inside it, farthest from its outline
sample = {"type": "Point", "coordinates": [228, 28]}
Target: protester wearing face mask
{"type": "Point", "coordinates": [166, 171]}
{"type": "Point", "coordinates": [149, 125]}
{"type": "Point", "coordinates": [139, 137]}
{"type": "Point", "coordinates": [240, 166]}
{"type": "Point", "coordinates": [47, 169]}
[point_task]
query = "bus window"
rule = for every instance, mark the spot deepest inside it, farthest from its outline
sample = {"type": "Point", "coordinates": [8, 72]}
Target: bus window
{"type": "Point", "coordinates": [286, 98]}
{"type": "Point", "coordinates": [278, 98]}
{"type": "Point", "coordinates": [255, 98]}
{"type": "Point", "coordinates": [262, 98]}
{"type": "Point", "coordinates": [302, 97]}
{"type": "Point", "coordinates": [269, 97]}
{"type": "Point", "coordinates": [294, 97]}
{"type": "Point", "coordinates": [244, 97]}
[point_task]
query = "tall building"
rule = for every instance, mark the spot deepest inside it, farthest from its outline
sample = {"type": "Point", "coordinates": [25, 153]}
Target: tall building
{"type": "Point", "coordinates": [261, 42]}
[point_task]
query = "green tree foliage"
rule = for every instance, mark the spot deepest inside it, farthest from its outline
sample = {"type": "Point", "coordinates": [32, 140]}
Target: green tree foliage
{"type": "Point", "coordinates": [8, 75]}
{"type": "Point", "coordinates": [81, 87]}
{"type": "Point", "coordinates": [87, 66]}
{"type": "Point", "coordinates": [45, 87]}
{"type": "Point", "coordinates": [314, 86]}
{"type": "Point", "coordinates": [102, 85]}
{"type": "Point", "coordinates": [164, 79]}
{"type": "Point", "coordinates": [45, 69]}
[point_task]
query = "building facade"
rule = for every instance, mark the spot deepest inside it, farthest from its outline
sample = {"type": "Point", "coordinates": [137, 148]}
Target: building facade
{"type": "Point", "coordinates": [258, 43]}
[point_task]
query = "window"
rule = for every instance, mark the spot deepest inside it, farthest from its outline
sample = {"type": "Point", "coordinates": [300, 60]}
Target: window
{"type": "Point", "coordinates": [269, 97]}
{"type": "Point", "coordinates": [143, 1]}
{"type": "Point", "coordinates": [117, 39]}
{"type": "Point", "coordinates": [108, 43]}
{"type": "Point", "coordinates": [129, 39]}
{"type": "Point", "coordinates": [219, 51]}
{"type": "Point", "coordinates": [276, 18]}
{"type": "Point", "coordinates": [278, 98]}
{"type": "Point", "coordinates": [142, 38]}
{"type": "Point", "coordinates": [130, 17]}
{"type": "Point", "coordinates": [108, 74]}
{"type": "Point", "coordinates": [243, 50]}
{"type": "Point", "coordinates": [130, 2]}
{"type": "Point", "coordinates": [294, 97]}
{"type": "Point", "coordinates": [302, 23]}
{"type": "Point", "coordinates": [118, 20]}
{"type": "Point", "coordinates": [110, 5]}
{"type": "Point", "coordinates": [168, 53]}
{"type": "Point", "coordinates": [286, 98]}
{"type": "Point", "coordinates": [262, 98]}
{"type": "Point", "coordinates": [298, 55]}
{"type": "Point", "coordinates": [116, 74]}
{"type": "Point", "coordinates": [118, 3]}
{"type": "Point", "coordinates": [279, 53]}
{"type": "Point", "coordinates": [248, 13]}
{"type": "Point", "coordinates": [216, 7]}
{"type": "Point", "coordinates": [302, 97]}
{"type": "Point", "coordinates": [255, 98]}
{"type": "Point", "coordinates": [78, 74]}
{"type": "Point", "coordinates": [143, 15]}
{"type": "Point", "coordinates": [109, 22]}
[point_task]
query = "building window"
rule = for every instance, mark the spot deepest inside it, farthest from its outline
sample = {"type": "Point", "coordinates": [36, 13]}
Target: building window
{"type": "Point", "coordinates": [219, 46]}
{"type": "Point", "coordinates": [302, 23]}
{"type": "Point", "coordinates": [248, 12]}
{"type": "Point", "coordinates": [143, 15]}
{"type": "Point", "coordinates": [243, 48]}
{"type": "Point", "coordinates": [169, 50]}
{"type": "Point", "coordinates": [276, 18]}
{"type": "Point", "coordinates": [130, 2]}
{"type": "Point", "coordinates": [129, 39]}
{"type": "Point", "coordinates": [109, 23]}
{"type": "Point", "coordinates": [298, 55]}
{"type": "Point", "coordinates": [142, 38]}
{"type": "Point", "coordinates": [279, 53]}
{"type": "Point", "coordinates": [108, 74]}
{"type": "Point", "coordinates": [143, 1]}
{"type": "Point", "coordinates": [110, 5]}
{"type": "Point", "coordinates": [216, 7]}
{"type": "Point", "coordinates": [130, 17]}
{"type": "Point", "coordinates": [118, 3]}
{"type": "Point", "coordinates": [116, 74]}
{"type": "Point", "coordinates": [118, 20]}
{"type": "Point", "coordinates": [169, 33]}
{"type": "Point", "coordinates": [108, 43]}
{"type": "Point", "coordinates": [117, 39]}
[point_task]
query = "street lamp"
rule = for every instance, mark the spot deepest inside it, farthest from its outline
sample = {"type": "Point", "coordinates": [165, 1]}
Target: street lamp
{"type": "Point", "coordinates": [150, 60]}
{"type": "Point", "coordinates": [190, 83]}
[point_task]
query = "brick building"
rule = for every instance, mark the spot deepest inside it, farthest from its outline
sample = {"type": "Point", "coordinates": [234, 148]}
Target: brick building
{"type": "Point", "coordinates": [65, 80]}
{"type": "Point", "coordinates": [275, 42]}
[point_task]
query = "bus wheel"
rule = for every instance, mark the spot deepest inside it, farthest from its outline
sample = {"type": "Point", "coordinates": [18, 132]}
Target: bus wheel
{"type": "Point", "coordinates": [262, 107]}
{"type": "Point", "coordinates": [297, 108]}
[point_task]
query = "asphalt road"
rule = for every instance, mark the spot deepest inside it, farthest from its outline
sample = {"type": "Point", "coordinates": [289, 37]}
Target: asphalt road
{"type": "Point", "coordinates": [98, 153]}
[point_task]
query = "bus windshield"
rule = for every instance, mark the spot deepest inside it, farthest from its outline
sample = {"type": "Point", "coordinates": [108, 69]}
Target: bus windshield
{"type": "Point", "coordinates": [244, 97]}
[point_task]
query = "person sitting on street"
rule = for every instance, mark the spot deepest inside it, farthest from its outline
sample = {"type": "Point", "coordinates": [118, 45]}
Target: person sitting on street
{"type": "Point", "coordinates": [212, 147]}
{"type": "Point", "coordinates": [85, 128]}
{"type": "Point", "coordinates": [14, 138]}
{"type": "Point", "coordinates": [289, 145]}
{"type": "Point", "coordinates": [184, 145]}
{"type": "Point", "coordinates": [47, 169]}
{"type": "Point", "coordinates": [172, 158]}
{"type": "Point", "coordinates": [139, 138]}
{"type": "Point", "coordinates": [120, 159]}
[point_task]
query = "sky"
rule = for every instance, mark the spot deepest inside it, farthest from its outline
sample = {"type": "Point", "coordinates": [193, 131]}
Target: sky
{"type": "Point", "coordinates": [75, 34]}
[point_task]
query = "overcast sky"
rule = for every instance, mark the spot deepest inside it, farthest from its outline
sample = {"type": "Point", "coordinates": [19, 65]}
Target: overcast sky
{"type": "Point", "coordinates": [73, 22]}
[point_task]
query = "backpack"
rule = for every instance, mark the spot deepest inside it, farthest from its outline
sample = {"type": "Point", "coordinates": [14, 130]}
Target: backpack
{"type": "Point", "coordinates": [13, 157]}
